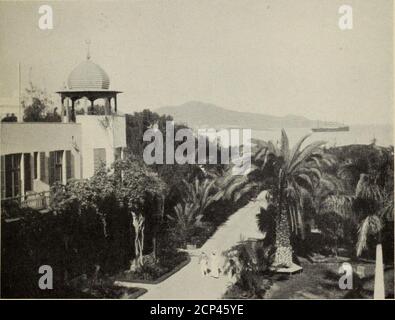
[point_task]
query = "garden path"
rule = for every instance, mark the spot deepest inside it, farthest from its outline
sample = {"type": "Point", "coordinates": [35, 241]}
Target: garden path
{"type": "Point", "coordinates": [188, 283]}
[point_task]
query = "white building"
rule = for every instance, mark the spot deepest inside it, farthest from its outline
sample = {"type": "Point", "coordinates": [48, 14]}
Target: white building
{"type": "Point", "coordinates": [34, 155]}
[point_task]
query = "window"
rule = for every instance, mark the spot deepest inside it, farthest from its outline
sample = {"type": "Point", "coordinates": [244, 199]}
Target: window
{"type": "Point", "coordinates": [28, 182]}
{"type": "Point", "coordinates": [58, 165]}
{"type": "Point", "coordinates": [69, 165]}
{"type": "Point", "coordinates": [35, 165]}
{"type": "Point", "coordinates": [43, 167]}
{"type": "Point", "coordinates": [118, 153]}
{"type": "Point", "coordinates": [55, 167]}
{"type": "Point", "coordinates": [2, 177]}
{"type": "Point", "coordinates": [12, 175]}
{"type": "Point", "coordinates": [99, 158]}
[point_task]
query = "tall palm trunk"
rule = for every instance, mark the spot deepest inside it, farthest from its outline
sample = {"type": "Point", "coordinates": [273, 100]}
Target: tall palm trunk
{"type": "Point", "coordinates": [283, 248]}
{"type": "Point", "coordinates": [379, 292]}
{"type": "Point", "coordinates": [283, 251]}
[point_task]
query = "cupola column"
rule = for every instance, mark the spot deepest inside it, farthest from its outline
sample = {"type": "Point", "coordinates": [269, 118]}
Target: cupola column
{"type": "Point", "coordinates": [72, 116]}
{"type": "Point", "coordinates": [92, 105]}
{"type": "Point", "coordinates": [62, 111]}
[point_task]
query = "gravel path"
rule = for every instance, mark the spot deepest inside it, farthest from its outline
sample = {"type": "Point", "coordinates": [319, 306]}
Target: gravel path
{"type": "Point", "coordinates": [188, 283]}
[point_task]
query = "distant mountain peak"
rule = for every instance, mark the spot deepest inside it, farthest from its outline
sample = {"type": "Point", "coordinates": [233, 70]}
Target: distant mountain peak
{"type": "Point", "coordinates": [198, 113]}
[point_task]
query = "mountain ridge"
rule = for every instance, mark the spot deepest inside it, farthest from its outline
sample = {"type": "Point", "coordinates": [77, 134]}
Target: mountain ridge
{"type": "Point", "coordinates": [201, 114]}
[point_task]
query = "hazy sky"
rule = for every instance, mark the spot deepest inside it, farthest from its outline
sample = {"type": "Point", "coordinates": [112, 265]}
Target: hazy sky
{"type": "Point", "coordinates": [276, 57]}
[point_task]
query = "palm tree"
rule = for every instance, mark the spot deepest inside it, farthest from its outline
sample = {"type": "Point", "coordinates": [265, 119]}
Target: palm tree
{"type": "Point", "coordinates": [373, 207]}
{"type": "Point", "coordinates": [289, 174]}
{"type": "Point", "coordinates": [377, 208]}
{"type": "Point", "coordinates": [198, 196]}
{"type": "Point", "coordinates": [185, 218]}
{"type": "Point", "coordinates": [300, 171]}
{"type": "Point", "coordinates": [201, 193]}
{"type": "Point", "coordinates": [261, 176]}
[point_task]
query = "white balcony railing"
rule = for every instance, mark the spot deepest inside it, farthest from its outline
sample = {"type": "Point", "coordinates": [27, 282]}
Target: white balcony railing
{"type": "Point", "coordinates": [38, 201]}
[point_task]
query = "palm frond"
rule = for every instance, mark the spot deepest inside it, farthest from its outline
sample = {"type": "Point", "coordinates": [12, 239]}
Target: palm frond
{"type": "Point", "coordinates": [303, 155]}
{"type": "Point", "coordinates": [304, 181]}
{"type": "Point", "coordinates": [371, 225]}
{"type": "Point", "coordinates": [367, 190]}
{"type": "Point", "coordinates": [387, 210]}
{"type": "Point", "coordinates": [284, 146]}
{"type": "Point", "coordinates": [296, 148]}
{"type": "Point", "coordinates": [339, 204]}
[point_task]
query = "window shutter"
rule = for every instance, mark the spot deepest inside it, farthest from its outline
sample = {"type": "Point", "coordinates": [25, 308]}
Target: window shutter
{"type": "Point", "coordinates": [8, 176]}
{"type": "Point", "coordinates": [51, 168]}
{"type": "Point", "coordinates": [35, 165]}
{"type": "Point", "coordinates": [99, 157]}
{"type": "Point", "coordinates": [43, 171]}
{"type": "Point", "coordinates": [28, 173]}
{"type": "Point", "coordinates": [2, 177]}
{"type": "Point", "coordinates": [69, 165]}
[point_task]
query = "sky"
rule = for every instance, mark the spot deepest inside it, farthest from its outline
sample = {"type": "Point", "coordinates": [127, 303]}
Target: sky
{"type": "Point", "coordinates": [274, 57]}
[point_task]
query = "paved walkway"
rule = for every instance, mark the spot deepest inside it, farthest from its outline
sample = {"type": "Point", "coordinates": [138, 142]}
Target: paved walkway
{"type": "Point", "coordinates": [188, 283]}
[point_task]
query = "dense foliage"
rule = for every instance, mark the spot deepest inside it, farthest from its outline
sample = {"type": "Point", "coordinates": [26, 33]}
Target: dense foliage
{"type": "Point", "coordinates": [131, 219]}
{"type": "Point", "coordinates": [38, 106]}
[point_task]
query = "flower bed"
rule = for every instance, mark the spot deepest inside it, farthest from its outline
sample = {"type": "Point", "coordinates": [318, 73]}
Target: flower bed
{"type": "Point", "coordinates": [255, 287]}
{"type": "Point", "coordinates": [153, 273]}
{"type": "Point", "coordinates": [111, 292]}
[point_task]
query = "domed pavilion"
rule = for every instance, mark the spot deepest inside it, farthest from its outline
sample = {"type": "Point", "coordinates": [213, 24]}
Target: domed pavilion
{"type": "Point", "coordinates": [88, 80]}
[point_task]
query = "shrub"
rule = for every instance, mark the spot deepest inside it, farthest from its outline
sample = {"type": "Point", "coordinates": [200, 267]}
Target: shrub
{"type": "Point", "coordinates": [249, 262]}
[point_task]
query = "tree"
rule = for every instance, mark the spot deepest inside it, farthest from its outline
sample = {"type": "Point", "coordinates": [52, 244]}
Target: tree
{"type": "Point", "coordinates": [201, 193]}
{"type": "Point", "coordinates": [376, 210]}
{"type": "Point", "coordinates": [185, 218]}
{"type": "Point", "coordinates": [38, 106]}
{"type": "Point", "coordinates": [129, 186]}
{"type": "Point", "coordinates": [368, 201]}
{"type": "Point", "coordinates": [300, 168]}
{"type": "Point", "coordinates": [83, 205]}
{"type": "Point", "coordinates": [262, 175]}
{"type": "Point", "coordinates": [289, 175]}
{"type": "Point", "coordinates": [373, 207]}
{"type": "Point", "coordinates": [137, 124]}
{"type": "Point", "coordinates": [135, 184]}
{"type": "Point", "coordinates": [10, 118]}
{"type": "Point", "coordinates": [197, 197]}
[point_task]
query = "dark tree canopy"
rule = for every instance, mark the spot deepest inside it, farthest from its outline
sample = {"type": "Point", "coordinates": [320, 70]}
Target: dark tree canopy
{"type": "Point", "coordinates": [38, 107]}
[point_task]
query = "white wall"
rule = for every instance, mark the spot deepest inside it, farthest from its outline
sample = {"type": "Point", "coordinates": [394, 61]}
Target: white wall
{"type": "Point", "coordinates": [89, 132]}
{"type": "Point", "coordinates": [108, 132]}
{"type": "Point", "coordinates": [18, 137]}
{"type": "Point", "coordinates": [25, 137]}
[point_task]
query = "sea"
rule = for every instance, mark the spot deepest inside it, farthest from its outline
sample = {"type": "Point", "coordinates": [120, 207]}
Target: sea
{"type": "Point", "coordinates": [382, 135]}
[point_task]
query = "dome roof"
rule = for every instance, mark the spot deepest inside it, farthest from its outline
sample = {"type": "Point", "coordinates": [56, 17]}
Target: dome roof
{"type": "Point", "coordinates": [88, 75]}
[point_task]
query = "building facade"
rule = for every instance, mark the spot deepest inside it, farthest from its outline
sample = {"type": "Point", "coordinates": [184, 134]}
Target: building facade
{"type": "Point", "coordinates": [35, 155]}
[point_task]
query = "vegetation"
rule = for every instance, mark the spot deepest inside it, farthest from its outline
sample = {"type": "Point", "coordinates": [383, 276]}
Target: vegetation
{"type": "Point", "coordinates": [192, 193]}
{"type": "Point", "coordinates": [345, 192]}
{"type": "Point", "coordinates": [189, 213]}
{"type": "Point", "coordinates": [38, 106]}
{"type": "Point", "coordinates": [249, 263]}
{"type": "Point", "coordinates": [136, 187]}
{"type": "Point", "coordinates": [131, 220]}
{"type": "Point", "coordinates": [372, 210]}
{"type": "Point", "coordinates": [290, 176]}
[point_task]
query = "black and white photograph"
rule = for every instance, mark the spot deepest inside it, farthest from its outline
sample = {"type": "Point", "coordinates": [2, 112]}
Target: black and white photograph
{"type": "Point", "coordinates": [197, 150]}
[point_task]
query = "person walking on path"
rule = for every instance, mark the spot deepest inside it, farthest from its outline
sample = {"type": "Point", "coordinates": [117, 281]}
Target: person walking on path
{"type": "Point", "coordinates": [215, 269]}
{"type": "Point", "coordinates": [204, 265]}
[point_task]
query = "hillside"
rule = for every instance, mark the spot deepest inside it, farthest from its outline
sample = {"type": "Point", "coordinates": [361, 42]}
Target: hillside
{"type": "Point", "coordinates": [200, 114]}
